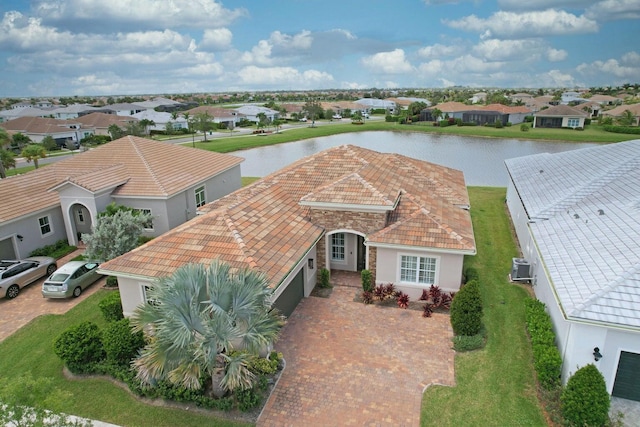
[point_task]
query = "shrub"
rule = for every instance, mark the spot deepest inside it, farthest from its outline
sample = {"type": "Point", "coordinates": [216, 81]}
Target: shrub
{"type": "Point", "coordinates": [265, 366]}
{"type": "Point", "coordinates": [466, 310]}
{"type": "Point", "coordinates": [120, 343]}
{"type": "Point", "coordinates": [546, 357]}
{"type": "Point", "coordinates": [402, 300]}
{"type": "Point", "coordinates": [462, 343]}
{"type": "Point", "coordinates": [112, 282]}
{"type": "Point", "coordinates": [111, 307]}
{"type": "Point", "coordinates": [524, 127]}
{"type": "Point", "coordinates": [470, 273]}
{"type": "Point", "coordinates": [56, 250]}
{"type": "Point", "coordinates": [547, 363]}
{"type": "Point", "coordinates": [247, 399]}
{"type": "Point", "coordinates": [367, 280]}
{"type": "Point", "coordinates": [585, 401]}
{"type": "Point", "coordinates": [367, 297]}
{"type": "Point", "coordinates": [80, 347]}
{"type": "Point", "coordinates": [324, 278]}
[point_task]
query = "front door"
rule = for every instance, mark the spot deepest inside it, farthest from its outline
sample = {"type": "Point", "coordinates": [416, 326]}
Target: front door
{"type": "Point", "coordinates": [362, 253]}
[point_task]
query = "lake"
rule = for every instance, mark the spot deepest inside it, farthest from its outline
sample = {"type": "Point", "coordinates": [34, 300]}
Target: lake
{"type": "Point", "coordinates": [481, 159]}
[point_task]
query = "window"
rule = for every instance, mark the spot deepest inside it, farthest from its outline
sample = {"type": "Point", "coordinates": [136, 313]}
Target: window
{"type": "Point", "coordinates": [573, 123]}
{"type": "Point", "coordinates": [337, 247]}
{"type": "Point", "coordinates": [415, 269]}
{"type": "Point", "coordinates": [80, 215]}
{"type": "Point", "coordinates": [146, 290]}
{"type": "Point", "coordinates": [200, 197]}
{"type": "Point", "coordinates": [45, 226]}
{"type": "Point", "coordinates": [149, 224]}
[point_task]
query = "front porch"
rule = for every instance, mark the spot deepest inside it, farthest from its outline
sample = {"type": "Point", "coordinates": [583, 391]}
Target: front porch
{"type": "Point", "coordinates": [350, 279]}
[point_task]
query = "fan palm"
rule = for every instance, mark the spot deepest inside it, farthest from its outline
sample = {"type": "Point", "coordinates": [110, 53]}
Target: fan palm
{"type": "Point", "coordinates": [206, 320]}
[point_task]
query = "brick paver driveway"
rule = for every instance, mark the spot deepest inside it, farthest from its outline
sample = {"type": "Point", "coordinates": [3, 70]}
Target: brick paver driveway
{"type": "Point", "coordinates": [350, 364]}
{"type": "Point", "coordinates": [29, 304]}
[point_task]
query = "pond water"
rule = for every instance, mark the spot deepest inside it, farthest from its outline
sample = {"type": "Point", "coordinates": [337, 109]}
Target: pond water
{"type": "Point", "coordinates": [481, 159]}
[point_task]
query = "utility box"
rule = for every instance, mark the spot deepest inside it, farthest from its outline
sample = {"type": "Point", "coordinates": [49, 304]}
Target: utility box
{"type": "Point", "coordinates": [520, 269]}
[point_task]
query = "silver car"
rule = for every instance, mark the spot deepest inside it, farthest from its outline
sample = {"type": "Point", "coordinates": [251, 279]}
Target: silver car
{"type": "Point", "coordinates": [16, 274]}
{"type": "Point", "coordinates": [70, 279]}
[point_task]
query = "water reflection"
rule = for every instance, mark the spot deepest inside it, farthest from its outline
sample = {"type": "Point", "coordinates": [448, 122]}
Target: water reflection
{"type": "Point", "coordinates": [481, 159]}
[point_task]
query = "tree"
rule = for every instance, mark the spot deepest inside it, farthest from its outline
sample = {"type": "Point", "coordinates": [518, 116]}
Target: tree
{"type": "Point", "coordinates": [416, 107]}
{"type": "Point", "coordinates": [436, 113]}
{"type": "Point", "coordinates": [263, 121]}
{"type": "Point", "coordinates": [203, 122]}
{"type": "Point", "coordinates": [33, 152]}
{"type": "Point", "coordinates": [277, 123]}
{"type": "Point", "coordinates": [357, 117]}
{"type": "Point", "coordinates": [626, 119]}
{"type": "Point", "coordinates": [7, 160]}
{"type": "Point", "coordinates": [49, 143]}
{"type": "Point", "coordinates": [146, 124]}
{"type": "Point", "coordinates": [466, 310]}
{"type": "Point", "coordinates": [206, 320]}
{"type": "Point", "coordinates": [329, 113]}
{"type": "Point", "coordinates": [313, 111]}
{"type": "Point", "coordinates": [19, 141]}
{"type": "Point", "coordinates": [115, 131]}
{"type": "Point", "coordinates": [116, 234]}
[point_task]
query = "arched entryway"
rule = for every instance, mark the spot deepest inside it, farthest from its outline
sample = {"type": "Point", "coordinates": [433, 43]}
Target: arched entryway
{"type": "Point", "coordinates": [80, 220]}
{"type": "Point", "coordinates": [345, 250]}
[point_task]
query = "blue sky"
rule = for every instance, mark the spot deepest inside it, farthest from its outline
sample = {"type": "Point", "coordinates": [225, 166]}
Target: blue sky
{"type": "Point", "coordinates": [119, 47]}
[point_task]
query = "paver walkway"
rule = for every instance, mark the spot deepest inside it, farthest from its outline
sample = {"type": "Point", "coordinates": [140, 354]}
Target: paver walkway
{"type": "Point", "coordinates": [30, 303]}
{"type": "Point", "coordinates": [350, 364]}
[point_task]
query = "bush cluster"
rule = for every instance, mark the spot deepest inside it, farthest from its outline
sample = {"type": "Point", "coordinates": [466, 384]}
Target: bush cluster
{"type": "Point", "coordinates": [80, 347]}
{"type": "Point", "coordinates": [546, 357]}
{"type": "Point", "coordinates": [585, 400]}
{"type": "Point", "coordinates": [120, 343]}
{"type": "Point", "coordinates": [367, 280]}
{"type": "Point", "coordinates": [466, 310]}
{"type": "Point", "coordinates": [325, 277]}
{"type": "Point", "coordinates": [622, 129]}
{"type": "Point", "coordinates": [56, 250]}
{"type": "Point", "coordinates": [111, 307]}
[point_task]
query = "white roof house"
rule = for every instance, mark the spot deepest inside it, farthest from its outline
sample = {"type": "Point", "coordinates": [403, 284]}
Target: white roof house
{"type": "Point", "coordinates": [374, 104]}
{"type": "Point", "coordinates": [577, 218]}
{"type": "Point", "coordinates": [161, 119]}
{"type": "Point", "coordinates": [251, 112]}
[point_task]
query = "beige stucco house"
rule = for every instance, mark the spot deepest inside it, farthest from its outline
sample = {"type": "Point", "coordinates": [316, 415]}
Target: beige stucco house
{"type": "Point", "coordinates": [62, 200]}
{"type": "Point", "coordinates": [345, 208]}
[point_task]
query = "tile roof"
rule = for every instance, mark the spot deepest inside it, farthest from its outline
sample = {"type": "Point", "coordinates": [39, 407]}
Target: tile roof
{"type": "Point", "coordinates": [39, 125]}
{"type": "Point", "coordinates": [561, 111]}
{"type": "Point", "coordinates": [586, 208]}
{"type": "Point", "coordinates": [451, 107]}
{"type": "Point", "coordinates": [266, 225]}
{"type": "Point", "coordinates": [138, 166]}
{"type": "Point", "coordinates": [103, 120]}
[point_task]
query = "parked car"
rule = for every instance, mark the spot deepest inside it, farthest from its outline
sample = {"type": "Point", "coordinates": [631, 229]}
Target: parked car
{"type": "Point", "coordinates": [337, 116]}
{"type": "Point", "coordinates": [16, 274]}
{"type": "Point", "coordinates": [304, 119]}
{"type": "Point", "coordinates": [70, 279]}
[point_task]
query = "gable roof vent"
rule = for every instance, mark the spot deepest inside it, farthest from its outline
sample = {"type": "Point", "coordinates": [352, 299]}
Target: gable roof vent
{"type": "Point", "coordinates": [600, 212]}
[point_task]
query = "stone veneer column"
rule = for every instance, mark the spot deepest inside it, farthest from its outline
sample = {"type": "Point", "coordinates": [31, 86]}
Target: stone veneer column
{"type": "Point", "coordinates": [373, 262]}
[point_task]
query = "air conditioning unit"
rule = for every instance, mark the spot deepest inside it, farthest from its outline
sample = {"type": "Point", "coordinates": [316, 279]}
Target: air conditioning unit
{"type": "Point", "coordinates": [520, 269]}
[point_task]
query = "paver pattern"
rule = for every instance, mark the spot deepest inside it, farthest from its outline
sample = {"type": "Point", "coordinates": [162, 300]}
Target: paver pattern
{"type": "Point", "coordinates": [30, 303]}
{"type": "Point", "coordinates": [351, 364]}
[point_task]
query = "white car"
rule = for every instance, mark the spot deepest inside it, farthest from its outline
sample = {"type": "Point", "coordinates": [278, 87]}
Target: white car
{"type": "Point", "coordinates": [16, 274]}
{"type": "Point", "coordinates": [304, 119]}
{"type": "Point", "coordinates": [70, 279]}
{"type": "Point", "coordinates": [337, 116]}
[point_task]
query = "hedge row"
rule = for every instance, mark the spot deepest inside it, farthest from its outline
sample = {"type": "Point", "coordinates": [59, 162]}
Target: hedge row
{"type": "Point", "coordinates": [546, 357]}
{"type": "Point", "coordinates": [622, 129]}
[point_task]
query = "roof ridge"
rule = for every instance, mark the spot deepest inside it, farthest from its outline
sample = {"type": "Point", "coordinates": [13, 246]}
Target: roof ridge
{"type": "Point", "coordinates": [239, 240]}
{"type": "Point", "coordinates": [620, 280]}
{"type": "Point", "coordinates": [146, 163]}
{"type": "Point", "coordinates": [589, 188]}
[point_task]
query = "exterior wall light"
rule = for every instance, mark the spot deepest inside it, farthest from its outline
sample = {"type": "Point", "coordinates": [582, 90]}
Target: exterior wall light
{"type": "Point", "coordinates": [20, 237]}
{"type": "Point", "coordinates": [596, 354]}
{"type": "Point", "coordinates": [310, 263]}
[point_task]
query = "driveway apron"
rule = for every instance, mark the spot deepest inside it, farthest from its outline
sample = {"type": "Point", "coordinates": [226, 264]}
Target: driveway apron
{"type": "Point", "coordinates": [351, 364]}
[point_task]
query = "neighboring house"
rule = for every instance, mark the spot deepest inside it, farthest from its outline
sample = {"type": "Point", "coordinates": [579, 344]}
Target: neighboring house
{"type": "Point", "coordinates": [619, 111]}
{"type": "Point", "coordinates": [572, 98]}
{"type": "Point", "coordinates": [342, 107]}
{"type": "Point", "coordinates": [478, 97]}
{"type": "Point", "coordinates": [605, 100]}
{"type": "Point", "coordinates": [577, 218]}
{"type": "Point", "coordinates": [158, 102]}
{"type": "Point", "coordinates": [493, 113]}
{"type": "Point", "coordinates": [63, 199]}
{"type": "Point", "coordinates": [250, 112]}
{"type": "Point", "coordinates": [100, 122]}
{"type": "Point", "coordinates": [345, 208]}
{"type": "Point", "coordinates": [11, 114]}
{"type": "Point", "coordinates": [37, 128]}
{"type": "Point", "coordinates": [525, 98]}
{"type": "Point", "coordinates": [124, 109]}
{"type": "Point", "coordinates": [403, 102]}
{"type": "Point", "coordinates": [73, 111]}
{"type": "Point", "coordinates": [226, 116]}
{"type": "Point", "coordinates": [377, 104]}
{"type": "Point", "coordinates": [453, 109]}
{"type": "Point", "coordinates": [161, 119]}
{"type": "Point", "coordinates": [560, 116]}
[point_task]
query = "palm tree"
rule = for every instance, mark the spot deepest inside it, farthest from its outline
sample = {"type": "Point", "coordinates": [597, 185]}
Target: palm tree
{"type": "Point", "coordinates": [205, 320]}
{"type": "Point", "coordinates": [436, 113]}
{"type": "Point", "coordinates": [146, 123]}
{"type": "Point", "coordinates": [5, 156]}
{"type": "Point", "coordinates": [34, 152]}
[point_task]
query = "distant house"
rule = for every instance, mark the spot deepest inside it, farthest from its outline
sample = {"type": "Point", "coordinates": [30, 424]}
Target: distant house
{"type": "Point", "coordinates": [454, 110]}
{"type": "Point", "coordinates": [124, 109]}
{"type": "Point", "coordinates": [577, 218]}
{"type": "Point", "coordinates": [605, 100]}
{"type": "Point", "coordinates": [73, 111]}
{"type": "Point", "coordinates": [560, 116]}
{"type": "Point", "coordinates": [100, 122]}
{"type": "Point", "coordinates": [63, 199]}
{"type": "Point", "coordinates": [250, 112]}
{"type": "Point", "coordinates": [377, 104]}
{"type": "Point", "coordinates": [161, 119]}
{"type": "Point", "coordinates": [478, 97]}
{"type": "Point", "coordinates": [345, 208]}
{"type": "Point", "coordinates": [493, 113]}
{"type": "Point", "coordinates": [620, 111]}
{"type": "Point", "coordinates": [226, 116]}
{"type": "Point", "coordinates": [38, 128]}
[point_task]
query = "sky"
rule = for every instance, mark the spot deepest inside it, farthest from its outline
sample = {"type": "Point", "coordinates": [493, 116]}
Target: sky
{"type": "Point", "coordinates": [129, 47]}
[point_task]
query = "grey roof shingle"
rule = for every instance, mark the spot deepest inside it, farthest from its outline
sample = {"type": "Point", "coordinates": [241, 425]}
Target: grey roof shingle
{"type": "Point", "coordinates": [585, 205]}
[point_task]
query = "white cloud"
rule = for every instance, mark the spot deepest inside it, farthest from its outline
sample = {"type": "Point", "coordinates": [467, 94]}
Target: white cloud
{"type": "Point", "coordinates": [283, 76]}
{"type": "Point", "coordinates": [500, 50]}
{"type": "Point", "coordinates": [628, 69]}
{"type": "Point", "coordinates": [145, 13]}
{"type": "Point", "coordinates": [440, 50]}
{"type": "Point", "coordinates": [609, 10]}
{"type": "Point", "coordinates": [555, 78]}
{"type": "Point", "coordinates": [216, 39]}
{"type": "Point", "coordinates": [545, 23]}
{"type": "Point", "coordinates": [556, 55]}
{"type": "Point", "coordinates": [631, 58]}
{"type": "Point", "coordinates": [393, 62]}
{"type": "Point", "coordinates": [353, 85]}
{"type": "Point", "coordinates": [543, 4]}
{"type": "Point", "coordinates": [300, 41]}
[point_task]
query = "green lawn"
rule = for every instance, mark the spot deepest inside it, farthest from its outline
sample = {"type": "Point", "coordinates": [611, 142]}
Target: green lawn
{"type": "Point", "coordinates": [30, 349]}
{"type": "Point", "coordinates": [494, 386]}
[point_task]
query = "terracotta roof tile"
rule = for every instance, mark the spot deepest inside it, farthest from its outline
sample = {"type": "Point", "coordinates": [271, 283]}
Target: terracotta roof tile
{"type": "Point", "coordinates": [266, 225]}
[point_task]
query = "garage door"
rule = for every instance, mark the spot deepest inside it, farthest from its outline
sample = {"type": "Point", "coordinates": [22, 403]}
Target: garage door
{"type": "Point", "coordinates": [290, 297]}
{"type": "Point", "coordinates": [627, 384]}
{"type": "Point", "coordinates": [6, 249]}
